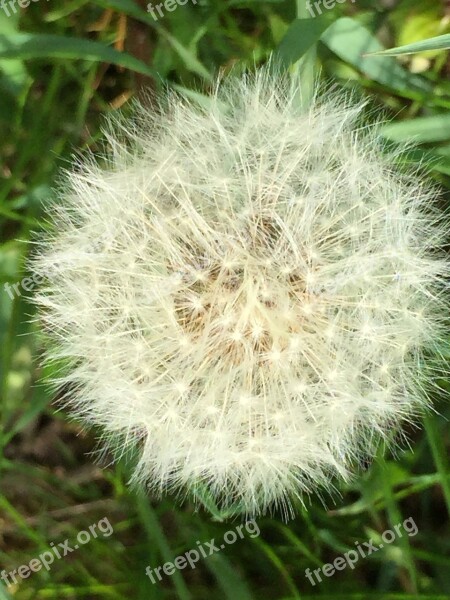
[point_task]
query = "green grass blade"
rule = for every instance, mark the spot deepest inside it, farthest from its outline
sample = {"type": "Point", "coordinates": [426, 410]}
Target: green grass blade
{"type": "Point", "coordinates": [279, 565]}
{"type": "Point", "coordinates": [440, 457]}
{"type": "Point", "coordinates": [233, 586]}
{"type": "Point", "coordinates": [156, 536]}
{"type": "Point", "coordinates": [31, 46]}
{"type": "Point", "coordinates": [187, 56]}
{"type": "Point", "coordinates": [395, 517]}
{"type": "Point", "coordinates": [441, 42]}
{"type": "Point", "coordinates": [435, 128]}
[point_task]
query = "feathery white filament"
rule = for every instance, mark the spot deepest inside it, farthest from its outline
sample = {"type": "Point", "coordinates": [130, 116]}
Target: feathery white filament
{"type": "Point", "coordinates": [246, 291]}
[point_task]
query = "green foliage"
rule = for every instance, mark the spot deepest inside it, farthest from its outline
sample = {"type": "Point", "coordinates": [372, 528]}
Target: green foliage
{"type": "Point", "coordinates": [24, 46]}
{"type": "Point", "coordinates": [62, 68]}
{"type": "Point", "coordinates": [441, 42]}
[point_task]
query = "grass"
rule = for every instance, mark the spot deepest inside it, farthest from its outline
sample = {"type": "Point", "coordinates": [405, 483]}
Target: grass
{"type": "Point", "coordinates": [62, 68]}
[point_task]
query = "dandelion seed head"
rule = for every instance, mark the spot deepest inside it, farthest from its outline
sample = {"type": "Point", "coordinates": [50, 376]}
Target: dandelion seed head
{"type": "Point", "coordinates": [250, 288]}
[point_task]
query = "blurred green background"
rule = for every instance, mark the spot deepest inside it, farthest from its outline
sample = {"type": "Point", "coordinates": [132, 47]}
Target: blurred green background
{"type": "Point", "coordinates": [63, 66]}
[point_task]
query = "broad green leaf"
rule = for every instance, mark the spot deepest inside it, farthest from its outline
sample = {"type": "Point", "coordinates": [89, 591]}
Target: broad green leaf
{"type": "Point", "coordinates": [30, 45]}
{"type": "Point", "coordinates": [420, 130]}
{"type": "Point", "coordinates": [441, 42]}
{"type": "Point", "coordinates": [299, 38]}
{"type": "Point", "coordinates": [352, 42]}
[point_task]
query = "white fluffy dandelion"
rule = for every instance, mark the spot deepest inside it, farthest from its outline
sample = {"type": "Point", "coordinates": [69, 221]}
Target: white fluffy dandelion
{"type": "Point", "coordinates": [246, 290]}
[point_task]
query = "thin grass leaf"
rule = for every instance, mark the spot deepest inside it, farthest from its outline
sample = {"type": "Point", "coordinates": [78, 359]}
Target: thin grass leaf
{"type": "Point", "coordinates": [70, 591]}
{"type": "Point", "coordinates": [435, 128]}
{"type": "Point", "coordinates": [64, 11]}
{"type": "Point", "coordinates": [156, 536]}
{"type": "Point", "coordinates": [233, 586]}
{"type": "Point", "coordinates": [395, 516]}
{"type": "Point", "coordinates": [37, 45]}
{"type": "Point", "coordinates": [441, 42]}
{"type": "Point", "coordinates": [281, 568]}
{"type": "Point", "coordinates": [15, 77]}
{"type": "Point", "coordinates": [439, 456]}
{"type": "Point", "coordinates": [187, 56]}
